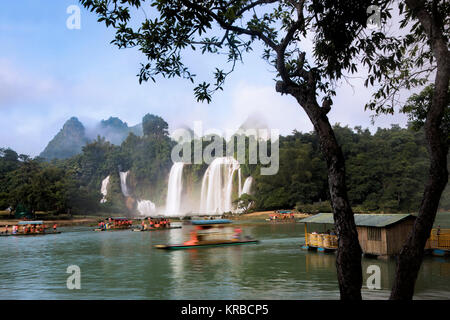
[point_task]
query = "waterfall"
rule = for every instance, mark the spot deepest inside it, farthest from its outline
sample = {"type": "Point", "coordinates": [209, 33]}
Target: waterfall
{"type": "Point", "coordinates": [104, 189]}
{"type": "Point", "coordinates": [247, 185]}
{"type": "Point", "coordinates": [173, 202]}
{"type": "Point", "coordinates": [240, 182]}
{"type": "Point", "coordinates": [146, 207]}
{"type": "Point", "coordinates": [123, 183]}
{"type": "Point", "coordinates": [217, 186]}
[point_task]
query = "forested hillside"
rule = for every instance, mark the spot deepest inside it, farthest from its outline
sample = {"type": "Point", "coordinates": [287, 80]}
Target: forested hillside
{"type": "Point", "coordinates": [386, 172]}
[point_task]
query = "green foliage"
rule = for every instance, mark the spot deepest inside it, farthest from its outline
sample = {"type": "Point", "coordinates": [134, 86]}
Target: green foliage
{"type": "Point", "coordinates": [386, 171]}
{"type": "Point", "coordinates": [402, 60]}
{"type": "Point", "coordinates": [154, 126]}
{"type": "Point", "coordinates": [244, 202]}
{"type": "Point", "coordinates": [417, 108]}
{"type": "Point", "coordinates": [314, 208]}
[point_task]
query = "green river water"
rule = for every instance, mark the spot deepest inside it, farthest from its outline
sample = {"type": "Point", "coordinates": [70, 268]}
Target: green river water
{"type": "Point", "coordinates": [123, 265]}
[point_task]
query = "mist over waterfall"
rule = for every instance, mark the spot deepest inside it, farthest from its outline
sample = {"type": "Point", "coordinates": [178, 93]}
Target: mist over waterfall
{"type": "Point", "coordinates": [104, 189]}
{"type": "Point", "coordinates": [146, 207]}
{"type": "Point", "coordinates": [123, 183]}
{"type": "Point", "coordinates": [247, 185]}
{"type": "Point", "coordinates": [217, 186]}
{"type": "Point", "coordinates": [173, 202]}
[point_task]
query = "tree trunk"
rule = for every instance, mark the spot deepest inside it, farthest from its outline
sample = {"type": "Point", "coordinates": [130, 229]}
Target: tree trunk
{"type": "Point", "coordinates": [411, 255]}
{"type": "Point", "coordinates": [348, 260]}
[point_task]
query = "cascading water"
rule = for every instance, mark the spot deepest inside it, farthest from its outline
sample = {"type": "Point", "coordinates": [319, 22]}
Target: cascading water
{"type": "Point", "coordinates": [146, 207]}
{"type": "Point", "coordinates": [173, 202]}
{"type": "Point", "coordinates": [123, 183]}
{"type": "Point", "coordinates": [217, 186]}
{"type": "Point", "coordinates": [247, 185]}
{"type": "Point", "coordinates": [104, 189]}
{"type": "Point", "coordinates": [240, 182]}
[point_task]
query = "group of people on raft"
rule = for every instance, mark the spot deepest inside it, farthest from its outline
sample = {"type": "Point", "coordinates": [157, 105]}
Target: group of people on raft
{"type": "Point", "coordinates": [282, 216]}
{"type": "Point", "coordinates": [158, 223]}
{"type": "Point", "coordinates": [27, 229]}
{"type": "Point", "coordinates": [112, 223]}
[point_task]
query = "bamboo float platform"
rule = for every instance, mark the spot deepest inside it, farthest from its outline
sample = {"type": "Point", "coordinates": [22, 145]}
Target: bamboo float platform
{"type": "Point", "coordinates": [156, 229]}
{"type": "Point", "coordinates": [29, 234]}
{"type": "Point", "coordinates": [117, 229]}
{"type": "Point", "coordinates": [206, 244]}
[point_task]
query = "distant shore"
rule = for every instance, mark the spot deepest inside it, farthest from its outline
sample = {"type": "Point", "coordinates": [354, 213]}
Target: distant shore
{"type": "Point", "coordinates": [263, 215]}
{"type": "Point", "coordinates": [75, 221]}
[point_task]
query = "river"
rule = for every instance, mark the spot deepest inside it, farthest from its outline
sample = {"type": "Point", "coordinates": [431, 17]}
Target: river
{"type": "Point", "coordinates": [123, 265]}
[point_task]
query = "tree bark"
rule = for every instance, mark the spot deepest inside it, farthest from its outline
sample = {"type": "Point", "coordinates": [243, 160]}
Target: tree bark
{"type": "Point", "coordinates": [411, 255]}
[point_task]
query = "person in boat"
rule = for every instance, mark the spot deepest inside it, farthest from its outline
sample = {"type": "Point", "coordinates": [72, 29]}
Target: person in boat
{"type": "Point", "coordinates": [54, 227]}
{"type": "Point", "coordinates": [157, 225]}
{"type": "Point", "coordinates": [151, 223]}
{"type": "Point", "coordinates": [193, 240]}
{"type": "Point", "coordinates": [6, 229]}
{"type": "Point", "coordinates": [143, 225]}
{"type": "Point", "coordinates": [168, 223]}
{"type": "Point", "coordinates": [237, 233]}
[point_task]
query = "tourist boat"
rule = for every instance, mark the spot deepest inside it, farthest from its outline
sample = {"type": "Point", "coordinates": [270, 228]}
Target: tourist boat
{"type": "Point", "coordinates": [211, 233]}
{"type": "Point", "coordinates": [25, 228]}
{"type": "Point", "coordinates": [115, 224]}
{"type": "Point", "coordinates": [155, 224]}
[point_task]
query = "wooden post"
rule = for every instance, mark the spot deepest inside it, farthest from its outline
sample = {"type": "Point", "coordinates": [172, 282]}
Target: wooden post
{"type": "Point", "coordinates": [306, 235]}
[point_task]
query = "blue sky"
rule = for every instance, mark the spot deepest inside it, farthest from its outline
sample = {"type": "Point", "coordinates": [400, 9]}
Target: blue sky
{"type": "Point", "coordinates": [49, 73]}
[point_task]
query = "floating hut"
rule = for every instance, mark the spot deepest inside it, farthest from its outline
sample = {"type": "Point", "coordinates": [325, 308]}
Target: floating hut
{"type": "Point", "coordinates": [378, 234]}
{"type": "Point", "coordinates": [439, 242]}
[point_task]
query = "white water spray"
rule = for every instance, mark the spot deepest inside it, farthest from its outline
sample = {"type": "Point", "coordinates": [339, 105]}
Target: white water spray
{"type": "Point", "coordinates": [104, 189]}
{"type": "Point", "coordinates": [247, 185]}
{"type": "Point", "coordinates": [146, 207]}
{"type": "Point", "coordinates": [217, 186]}
{"type": "Point", "coordinates": [123, 183]}
{"type": "Point", "coordinates": [173, 202]}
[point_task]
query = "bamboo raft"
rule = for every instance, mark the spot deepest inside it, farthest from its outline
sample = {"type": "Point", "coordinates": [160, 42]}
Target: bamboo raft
{"type": "Point", "coordinates": [112, 229]}
{"type": "Point", "coordinates": [29, 234]}
{"type": "Point", "coordinates": [157, 229]}
{"type": "Point", "coordinates": [206, 244]}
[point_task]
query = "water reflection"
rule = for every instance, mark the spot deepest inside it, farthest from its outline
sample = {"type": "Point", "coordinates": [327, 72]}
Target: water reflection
{"type": "Point", "coordinates": [124, 265]}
